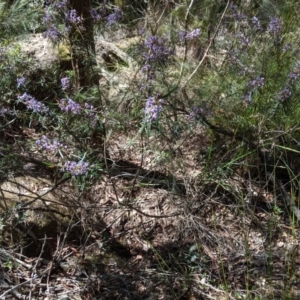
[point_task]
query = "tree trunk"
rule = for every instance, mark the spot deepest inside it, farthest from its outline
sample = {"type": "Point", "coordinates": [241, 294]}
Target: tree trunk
{"type": "Point", "coordinates": [83, 46]}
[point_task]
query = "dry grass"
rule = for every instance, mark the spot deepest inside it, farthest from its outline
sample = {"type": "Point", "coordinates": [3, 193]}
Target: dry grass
{"type": "Point", "coordinates": [131, 238]}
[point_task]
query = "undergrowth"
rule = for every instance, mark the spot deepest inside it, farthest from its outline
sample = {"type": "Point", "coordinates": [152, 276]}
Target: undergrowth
{"type": "Point", "coordinates": [163, 167]}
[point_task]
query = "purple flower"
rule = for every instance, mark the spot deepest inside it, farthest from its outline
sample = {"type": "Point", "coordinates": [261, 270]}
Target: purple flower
{"type": "Point", "coordinates": [73, 17]}
{"type": "Point", "coordinates": [52, 33]}
{"type": "Point", "coordinates": [21, 81]}
{"type": "Point", "coordinates": [95, 15]}
{"type": "Point", "coordinates": [157, 50]}
{"type": "Point", "coordinates": [91, 113]}
{"type": "Point", "coordinates": [256, 23]}
{"type": "Point", "coordinates": [46, 143]}
{"type": "Point", "coordinates": [68, 105]}
{"type": "Point", "coordinates": [275, 26]}
{"type": "Point", "coordinates": [146, 68]}
{"type": "Point", "coordinates": [190, 35]}
{"type": "Point", "coordinates": [153, 108]}
{"type": "Point", "coordinates": [284, 94]}
{"type": "Point", "coordinates": [257, 82]}
{"type": "Point", "coordinates": [32, 103]}
{"type": "Point", "coordinates": [181, 35]}
{"type": "Point", "coordinates": [235, 13]}
{"type": "Point", "coordinates": [75, 168]}
{"type": "Point", "coordinates": [63, 4]}
{"type": "Point", "coordinates": [149, 73]}
{"type": "Point", "coordinates": [293, 76]}
{"type": "Point", "coordinates": [195, 114]}
{"type": "Point", "coordinates": [115, 17]}
{"type": "Point", "coordinates": [47, 18]}
{"type": "Point", "coordinates": [233, 7]}
{"type": "Point", "coordinates": [243, 39]}
{"type": "Point", "coordinates": [193, 34]}
{"type": "Point", "coordinates": [65, 83]}
{"type": "Point", "coordinates": [3, 111]}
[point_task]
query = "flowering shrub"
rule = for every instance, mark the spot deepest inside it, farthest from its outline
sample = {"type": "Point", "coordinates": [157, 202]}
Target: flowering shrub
{"type": "Point", "coordinates": [114, 17]}
{"type": "Point", "coordinates": [32, 103]}
{"type": "Point", "coordinates": [231, 108]}
{"type": "Point", "coordinates": [68, 105]}
{"type": "Point", "coordinates": [21, 81]}
{"type": "Point", "coordinates": [190, 35]}
{"type": "Point", "coordinates": [153, 108]}
{"type": "Point", "coordinates": [65, 83]}
{"type": "Point", "coordinates": [76, 168]}
{"type": "Point", "coordinates": [255, 83]}
{"type": "Point", "coordinates": [12, 63]}
{"type": "Point", "coordinates": [46, 143]}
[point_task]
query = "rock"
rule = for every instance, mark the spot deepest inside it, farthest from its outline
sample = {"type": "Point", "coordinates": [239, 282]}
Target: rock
{"type": "Point", "coordinates": [40, 49]}
{"type": "Point", "coordinates": [38, 202]}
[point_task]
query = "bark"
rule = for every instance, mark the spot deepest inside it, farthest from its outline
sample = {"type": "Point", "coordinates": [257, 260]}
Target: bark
{"type": "Point", "coordinates": [83, 46]}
